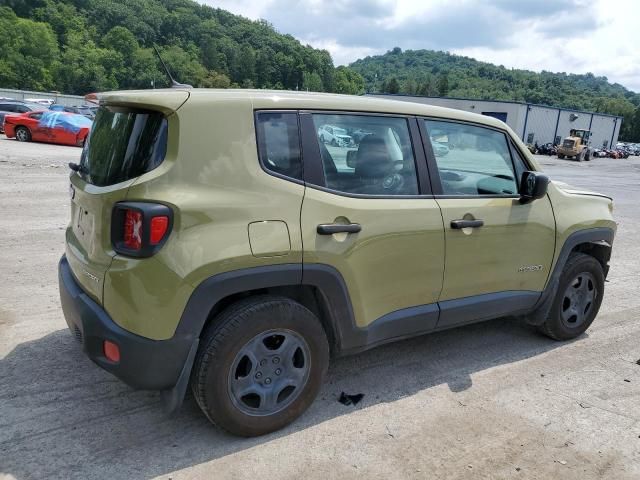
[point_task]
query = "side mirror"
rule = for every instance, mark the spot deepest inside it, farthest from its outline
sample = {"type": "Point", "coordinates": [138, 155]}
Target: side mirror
{"type": "Point", "coordinates": [351, 158]}
{"type": "Point", "coordinates": [533, 185]}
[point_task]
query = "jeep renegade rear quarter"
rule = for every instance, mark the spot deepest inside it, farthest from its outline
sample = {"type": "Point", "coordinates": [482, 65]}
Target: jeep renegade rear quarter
{"type": "Point", "coordinates": [217, 240]}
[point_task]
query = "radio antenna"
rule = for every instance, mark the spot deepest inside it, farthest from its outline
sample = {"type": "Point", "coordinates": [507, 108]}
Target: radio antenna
{"type": "Point", "coordinates": [174, 84]}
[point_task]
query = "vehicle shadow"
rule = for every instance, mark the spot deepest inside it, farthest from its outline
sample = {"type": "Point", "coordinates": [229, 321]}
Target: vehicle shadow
{"type": "Point", "coordinates": [60, 415]}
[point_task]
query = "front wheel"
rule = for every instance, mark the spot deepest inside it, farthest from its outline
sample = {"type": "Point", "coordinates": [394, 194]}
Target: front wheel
{"type": "Point", "coordinates": [23, 134]}
{"type": "Point", "coordinates": [577, 300]}
{"type": "Point", "coordinates": [260, 365]}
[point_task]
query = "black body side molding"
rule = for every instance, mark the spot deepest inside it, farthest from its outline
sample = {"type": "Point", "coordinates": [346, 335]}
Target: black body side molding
{"type": "Point", "coordinates": [220, 286]}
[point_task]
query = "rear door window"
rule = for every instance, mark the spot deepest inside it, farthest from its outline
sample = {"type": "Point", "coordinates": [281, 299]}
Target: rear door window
{"type": "Point", "coordinates": [366, 155]}
{"type": "Point", "coordinates": [123, 144]}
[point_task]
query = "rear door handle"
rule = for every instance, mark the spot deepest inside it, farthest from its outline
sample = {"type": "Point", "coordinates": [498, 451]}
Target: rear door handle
{"type": "Point", "coordinates": [331, 228]}
{"type": "Point", "coordinates": [458, 224]}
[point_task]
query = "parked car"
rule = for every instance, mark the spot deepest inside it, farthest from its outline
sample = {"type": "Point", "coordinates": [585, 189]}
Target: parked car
{"type": "Point", "coordinates": [42, 101]}
{"type": "Point", "coordinates": [86, 110]}
{"type": "Point", "coordinates": [439, 149]}
{"type": "Point", "coordinates": [335, 136]}
{"type": "Point", "coordinates": [48, 126]}
{"type": "Point", "coordinates": [216, 242]}
{"type": "Point", "coordinates": [548, 149]}
{"type": "Point", "coordinates": [16, 106]}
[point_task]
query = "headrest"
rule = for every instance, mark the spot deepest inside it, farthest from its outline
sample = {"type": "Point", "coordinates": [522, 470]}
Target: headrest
{"type": "Point", "coordinates": [373, 159]}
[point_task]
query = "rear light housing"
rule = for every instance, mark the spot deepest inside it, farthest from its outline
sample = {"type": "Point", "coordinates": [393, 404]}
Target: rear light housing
{"type": "Point", "coordinates": [140, 229]}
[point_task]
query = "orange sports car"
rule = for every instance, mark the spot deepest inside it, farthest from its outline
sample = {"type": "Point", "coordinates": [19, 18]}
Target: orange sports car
{"type": "Point", "coordinates": [48, 126]}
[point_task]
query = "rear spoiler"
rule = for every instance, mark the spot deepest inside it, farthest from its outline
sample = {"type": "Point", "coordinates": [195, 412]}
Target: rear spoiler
{"type": "Point", "coordinates": [164, 100]}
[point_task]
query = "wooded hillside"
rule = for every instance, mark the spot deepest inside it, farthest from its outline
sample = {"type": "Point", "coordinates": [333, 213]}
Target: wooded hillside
{"type": "Point", "coordinates": [80, 46]}
{"type": "Point", "coordinates": [431, 73]}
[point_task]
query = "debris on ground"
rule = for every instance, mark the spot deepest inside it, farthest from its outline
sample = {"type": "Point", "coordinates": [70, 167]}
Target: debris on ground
{"type": "Point", "coordinates": [347, 399]}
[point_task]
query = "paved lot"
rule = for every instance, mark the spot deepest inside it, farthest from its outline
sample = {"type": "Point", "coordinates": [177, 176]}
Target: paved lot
{"type": "Point", "coordinates": [493, 400]}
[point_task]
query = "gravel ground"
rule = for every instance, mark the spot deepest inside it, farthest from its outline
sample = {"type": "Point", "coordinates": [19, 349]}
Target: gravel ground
{"type": "Point", "coordinates": [492, 400]}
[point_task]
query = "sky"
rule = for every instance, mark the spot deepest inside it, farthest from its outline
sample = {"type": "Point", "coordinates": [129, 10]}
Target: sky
{"type": "Point", "coordinates": [573, 36]}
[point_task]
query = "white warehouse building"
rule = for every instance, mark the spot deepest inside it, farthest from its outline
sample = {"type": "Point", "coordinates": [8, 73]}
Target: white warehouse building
{"type": "Point", "coordinates": [533, 123]}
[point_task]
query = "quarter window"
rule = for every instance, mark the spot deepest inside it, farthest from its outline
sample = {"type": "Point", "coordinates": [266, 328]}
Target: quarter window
{"type": "Point", "coordinates": [471, 160]}
{"type": "Point", "coordinates": [279, 143]}
{"type": "Point", "coordinates": [368, 155]}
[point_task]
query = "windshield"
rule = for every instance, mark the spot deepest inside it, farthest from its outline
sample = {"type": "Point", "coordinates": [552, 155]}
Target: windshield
{"type": "Point", "coordinates": [123, 144]}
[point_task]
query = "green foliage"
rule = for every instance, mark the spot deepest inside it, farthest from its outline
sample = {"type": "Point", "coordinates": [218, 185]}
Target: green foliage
{"type": "Point", "coordinates": [347, 81]}
{"type": "Point", "coordinates": [392, 86]}
{"type": "Point", "coordinates": [82, 46]}
{"type": "Point", "coordinates": [431, 73]}
{"type": "Point", "coordinates": [311, 82]}
{"type": "Point", "coordinates": [29, 52]}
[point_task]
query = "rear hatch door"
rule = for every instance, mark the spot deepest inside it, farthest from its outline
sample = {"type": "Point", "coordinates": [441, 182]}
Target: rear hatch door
{"type": "Point", "coordinates": [128, 138]}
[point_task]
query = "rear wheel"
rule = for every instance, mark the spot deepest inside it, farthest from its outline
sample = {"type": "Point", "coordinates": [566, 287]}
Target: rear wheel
{"type": "Point", "coordinates": [260, 365]}
{"type": "Point", "coordinates": [23, 134]}
{"type": "Point", "coordinates": [577, 300]}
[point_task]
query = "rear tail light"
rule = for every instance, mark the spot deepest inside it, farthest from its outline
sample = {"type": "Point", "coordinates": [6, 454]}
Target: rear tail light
{"type": "Point", "coordinates": [132, 235]}
{"type": "Point", "coordinates": [139, 229]}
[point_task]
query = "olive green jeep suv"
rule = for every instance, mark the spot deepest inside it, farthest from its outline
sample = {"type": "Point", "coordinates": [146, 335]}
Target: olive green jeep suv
{"type": "Point", "coordinates": [217, 241]}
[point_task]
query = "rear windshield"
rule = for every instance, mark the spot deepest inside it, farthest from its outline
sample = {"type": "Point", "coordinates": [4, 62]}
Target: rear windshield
{"type": "Point", "coordinates": [123, 144]}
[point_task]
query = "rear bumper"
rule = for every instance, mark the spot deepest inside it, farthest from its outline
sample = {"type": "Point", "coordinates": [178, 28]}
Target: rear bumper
{"type": "Point", "coordinates": [144, 363]}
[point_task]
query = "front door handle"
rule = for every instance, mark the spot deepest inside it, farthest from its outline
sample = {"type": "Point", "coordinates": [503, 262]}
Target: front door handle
{"type": "Point", "coordinates": [458, 224]}
{"type": "Point", "coordinates": [331, 228]}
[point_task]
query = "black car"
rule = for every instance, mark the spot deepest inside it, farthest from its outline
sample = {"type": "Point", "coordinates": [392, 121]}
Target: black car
{"type": "Point", "coordinates": [16, 106]}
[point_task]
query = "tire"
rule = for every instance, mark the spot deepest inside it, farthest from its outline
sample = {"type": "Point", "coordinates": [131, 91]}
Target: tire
{"type": "Point", "coordinates": [23, 134]}
{"type": "Point", "coordinates": [334, 143]}
{"type": "Point", "coordinates": [587, 156]}
{"type": "Point", "coordinates": [582, 273]}
{"type": "Point", "coordinates": [561, 156]}
{"type": "Point", "coordinates": [236, 376]}
{"type": "Point", "coordinates": [580, 156]}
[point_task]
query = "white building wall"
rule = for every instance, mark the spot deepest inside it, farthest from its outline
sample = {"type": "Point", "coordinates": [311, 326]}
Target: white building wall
{"type": "Point", "coordinates": [566, 123]}
{"type": "Point", "coordinates": [541, 121]}
{"type": "Point", "coordinates": [540, 125]}
{"type": "Point", "coordinates": [617, 131]}
{"type": "Point", "coordinates": [603, 129]}
{"type": "Point", "coordinates": [515, 112]}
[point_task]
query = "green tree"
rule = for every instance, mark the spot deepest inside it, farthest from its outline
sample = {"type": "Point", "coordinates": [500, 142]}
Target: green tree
{"type": "Point", "coordinates": [216, 80]}
{"type": "Point", "coordinates": [312, 82]}
{"type": "Point", "coordinates": [392, 86]}
{"type": "Point", "coordinates": [29, 53]}
{"type": "Point", "coordinates": [443, 85]}
{"type": "Point", "coordinates": [348, 81]}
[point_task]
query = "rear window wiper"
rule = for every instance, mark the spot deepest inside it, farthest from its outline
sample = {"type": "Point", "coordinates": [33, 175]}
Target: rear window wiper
{"type": "Point", "coordinates": [76, 167]}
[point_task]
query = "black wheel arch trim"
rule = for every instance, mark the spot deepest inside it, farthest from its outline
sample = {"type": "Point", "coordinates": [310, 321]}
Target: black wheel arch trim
{"type": "Point", "coordinates": [594, 236]}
